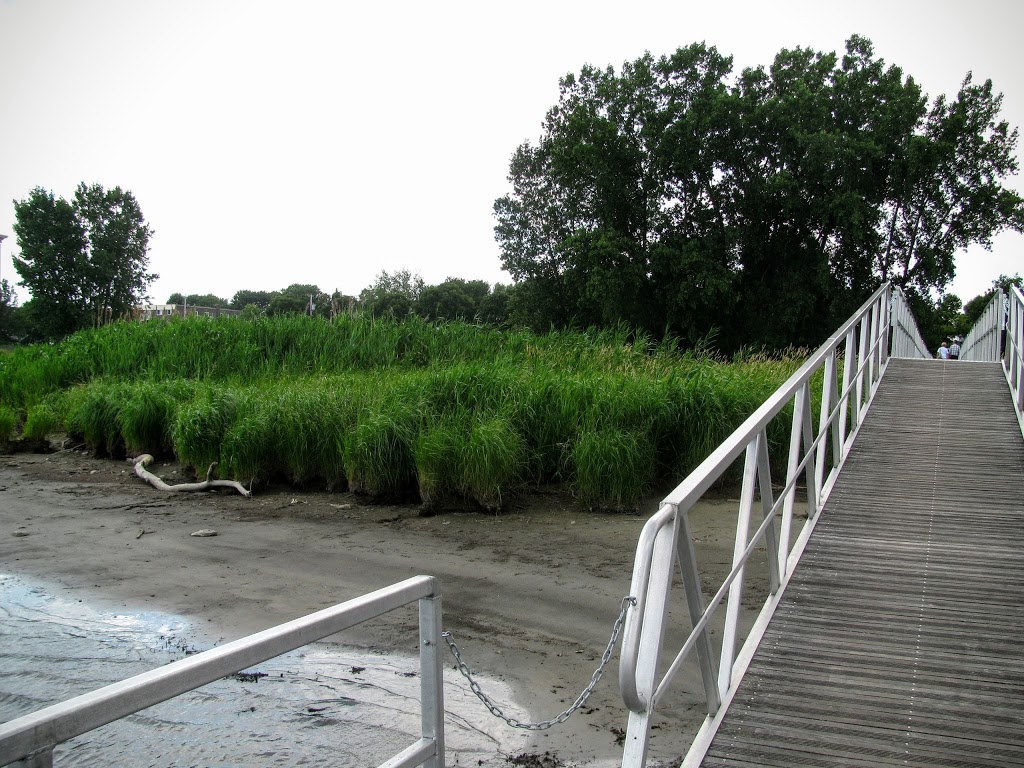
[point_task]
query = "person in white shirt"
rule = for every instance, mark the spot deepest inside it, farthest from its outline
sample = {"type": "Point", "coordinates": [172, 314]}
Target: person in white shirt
{"type": "Point", "coordinates": [943, 352]}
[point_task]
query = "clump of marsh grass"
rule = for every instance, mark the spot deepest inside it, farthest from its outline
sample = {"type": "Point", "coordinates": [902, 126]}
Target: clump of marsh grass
{"type": "Point", "coordinates": [92, 413]}
{"type": "Point", "coordinates": [614, 467]}
{"type": "Point", "coordinates": [379, 456]}
{"type": "Point", "coordinates": [249, 448]}
{"type": "Point", "coordinates": [147, 416]}
{"type": "Point", "coordinates": [41, 421]}
{"type": "Point", "coordinates": [201, 424]}
{"type": "Point", "coordinates": [8, 424]}
{"type": "Point", "coordinates": [493, 461]}
{"type": "Point", "coordinates": [437, 456]}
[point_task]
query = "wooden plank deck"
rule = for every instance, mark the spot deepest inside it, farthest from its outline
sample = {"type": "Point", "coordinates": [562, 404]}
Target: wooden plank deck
{"type": "Point", "coordinates": [900, 641]}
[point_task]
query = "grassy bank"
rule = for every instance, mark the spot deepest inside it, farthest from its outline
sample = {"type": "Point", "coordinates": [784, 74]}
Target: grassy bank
{"type": "Point", "coordinates": [393, 408]}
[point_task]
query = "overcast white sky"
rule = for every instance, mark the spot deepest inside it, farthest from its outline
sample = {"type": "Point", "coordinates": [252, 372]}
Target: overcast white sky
{"type": "Point", "coordinates": [320, 142]}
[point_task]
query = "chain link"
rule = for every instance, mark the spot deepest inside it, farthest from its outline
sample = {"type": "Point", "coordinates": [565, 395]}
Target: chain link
{"type": "Point", "coordinates": [580, 700]}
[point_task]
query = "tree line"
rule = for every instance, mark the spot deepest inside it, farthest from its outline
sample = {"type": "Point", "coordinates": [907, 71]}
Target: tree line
{"type": "Point", "coordinates": [766, 206]}
{"type": "Point", "coordinates": [674, 197]}
{"type": "Point", "coordinates": [391, 294]}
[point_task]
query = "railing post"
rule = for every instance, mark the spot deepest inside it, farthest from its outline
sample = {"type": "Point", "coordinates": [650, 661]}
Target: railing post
{"type": "Point", "coordinates": [695, 607]}
{"type": "Point", "coordinates": [862, 350]}
{"type": "Point", "coordinates": [849, 366]}
{"type": "Point", "coordinates": [771, 540]}
{"type": "Point", "coordinates": [829, 395]}
{"type": "Point", "coordinates": [873, 364]}
{"type": "Point", "coordinates": [432, 679]}
{"type": "Point", "coordinates": [886, 306]}
{"type": "Point", "coordinates": [800, 403]}
{"type": "Point", "coordinates": [732, 610]}
{"type": "Point", "coordinates": [652, 632]}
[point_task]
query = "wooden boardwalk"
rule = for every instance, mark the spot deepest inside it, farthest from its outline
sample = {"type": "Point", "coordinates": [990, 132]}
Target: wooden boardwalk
{"type": "Point", "coordinates": [900, 641]}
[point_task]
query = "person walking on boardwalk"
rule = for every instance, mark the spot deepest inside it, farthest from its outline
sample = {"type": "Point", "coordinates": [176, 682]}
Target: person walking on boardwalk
{"type": "Point", "coordinates": [943, 353]}
{"type": "Point", "coordinates": [954, 349]}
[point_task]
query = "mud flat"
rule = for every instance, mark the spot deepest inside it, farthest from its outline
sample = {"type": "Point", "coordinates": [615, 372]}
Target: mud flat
{"type": "Point", "coordinates": [529, 595]}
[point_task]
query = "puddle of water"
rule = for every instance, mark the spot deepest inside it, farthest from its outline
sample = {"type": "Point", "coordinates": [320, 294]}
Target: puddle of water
{"type": "Point", "coordinates": [321, 705]}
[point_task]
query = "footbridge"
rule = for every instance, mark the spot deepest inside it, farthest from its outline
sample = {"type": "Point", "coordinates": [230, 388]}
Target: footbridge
{"type": "Point", "coordinates": [890, 551]}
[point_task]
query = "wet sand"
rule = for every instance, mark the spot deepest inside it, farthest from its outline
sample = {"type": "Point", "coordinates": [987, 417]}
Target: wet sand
{"type": "Point", "coordinates": [529, 595]}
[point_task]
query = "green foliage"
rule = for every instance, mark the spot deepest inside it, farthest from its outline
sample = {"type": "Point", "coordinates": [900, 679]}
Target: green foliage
{"type": "Point", "coordinates": [392, 295]}
{"type": "Point", "coordinates": [614, 467]}
{"type": "Point", "coordinates": [199, 300]}
{"type": "Point", "coordinates": [85, 261]}
{"type": "Point", "coordinates": [493, 460]}
{"type": "Point", "coordinates": [93, 413]}
{"type": "Point", "coordinates": [201, 424]}
{"type": "Point", "coordinates": [146, 418]}
{"type": "Point", "coordinates": [42, 420]}
{"type": "Point", "coordinates": [766, 205]}
{"type": "Point", "coordinates": [454, 299]}
{"type": "Point", "coordinates": [379, 451]}
{"type": "Point", "coordinates": [395, 408]}
{"type": "Point", "coordinates": [8, 423]}
{"type": "Point", "coordinates": [8, 307]}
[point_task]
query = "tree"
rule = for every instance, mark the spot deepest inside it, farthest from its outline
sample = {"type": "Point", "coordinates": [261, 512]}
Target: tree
{"type": "Point", "coordinates": [974, 308]}
{"type": "Point", "coordinates": [494, 307]}
{"type": "Point", "coordinates": [205, 300]}
{"type": "Point", "coordinates": [947, 194]}
{"type": "Point", "coordinates": [84, 262]}
{"type": "Point", "coordinates": [53, 263]}
{"type": "Point", "coordinates": [118, 242]}
{"type": "Point", "coordinates": [242, 299]}
{"type": "Point", "coordinates": [455, 298]}
{"type": "Point", "coordinates": [393, 295]}
{"type": "Point", "coordinates": [674, 196]}
{"type": "Point", "coordinates": [301, 299]}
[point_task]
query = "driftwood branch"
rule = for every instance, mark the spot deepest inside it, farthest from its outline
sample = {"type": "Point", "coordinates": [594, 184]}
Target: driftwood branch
{"type": "Point", "coordinates": [143, 461]}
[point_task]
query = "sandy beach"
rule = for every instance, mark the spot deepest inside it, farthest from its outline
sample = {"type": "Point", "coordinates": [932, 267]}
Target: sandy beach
{"type": "Point", "coordinates": [530, 595]}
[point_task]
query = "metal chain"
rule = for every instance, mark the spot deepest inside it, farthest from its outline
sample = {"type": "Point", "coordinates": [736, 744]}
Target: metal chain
{"type": "Point", "coordinates": [580, 700]}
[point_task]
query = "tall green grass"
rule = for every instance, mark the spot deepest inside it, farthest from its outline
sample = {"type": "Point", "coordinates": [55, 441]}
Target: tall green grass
{"type": "Point", "coordinates": [8, 423]}
{"type": "Point", "coordinates": [398, 408]}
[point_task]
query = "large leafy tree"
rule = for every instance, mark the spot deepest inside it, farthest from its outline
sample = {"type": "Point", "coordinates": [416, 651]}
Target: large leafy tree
{"type": "Point", "coordinates": [674, 195]}
{"type": "Point", "coordinates": [392, 294]}
{"type": "Point", "coordinates": [300, 298]}
{"type": "Point", "coordinates": [85, 261]}
{"type": "Point", "coordinates": [455, 298]}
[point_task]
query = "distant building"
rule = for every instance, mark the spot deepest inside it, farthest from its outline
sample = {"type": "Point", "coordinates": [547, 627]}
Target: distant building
{"type": "Point", "coordinates": [166, 311]}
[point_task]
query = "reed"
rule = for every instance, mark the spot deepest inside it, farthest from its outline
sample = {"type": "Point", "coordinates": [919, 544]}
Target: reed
{"type": "Point", "coordinates": [41, 421]}
{"type": "Point", "coordinates": [8, 423]}
{"type": "Point", "coordinates": [400, 407]}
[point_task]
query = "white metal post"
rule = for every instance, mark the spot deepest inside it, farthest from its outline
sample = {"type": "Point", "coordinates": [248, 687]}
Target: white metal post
{"type": "Point", "coordinates": [849, 362]}
{"type": "Point", "coordinates": [732, 610]}
{"type": "Point", "coordinates": [695, 606]}
{"type": "Point", "coordinates": [652, 633]}
{"type": "Point", "coordinates": [800, 403]}
{"type": "Point", "coordinates": [829, 395]}
{"type": "Point", "coordinates": [771, 541]}
{"type": "Point", "coordinates": [432, 679]}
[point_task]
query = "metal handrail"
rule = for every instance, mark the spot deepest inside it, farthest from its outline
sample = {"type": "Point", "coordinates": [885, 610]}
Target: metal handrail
{"type": "Point", "coordinates": [983, 341]}
{"type": "Point", "coordinates": [32, 738]}
{"type": "Point", "coordinates": [1013, 349]}
{"type": "Point", "coordinates": [882, 324]}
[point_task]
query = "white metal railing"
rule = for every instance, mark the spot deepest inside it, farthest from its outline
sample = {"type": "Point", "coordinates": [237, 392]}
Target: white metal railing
{"type": "Point", "coordinates": [1013, 349]}
{"type": "Point", "coordinates": [983, 342]}
{"type": "Point", "coordinates": [861, 346]}
{"type": "Point", "coordinates": [30, 739]}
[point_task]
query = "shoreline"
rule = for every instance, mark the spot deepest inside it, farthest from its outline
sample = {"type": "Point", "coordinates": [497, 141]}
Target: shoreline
{"type": "Point", "coordinates": [530, 596]}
